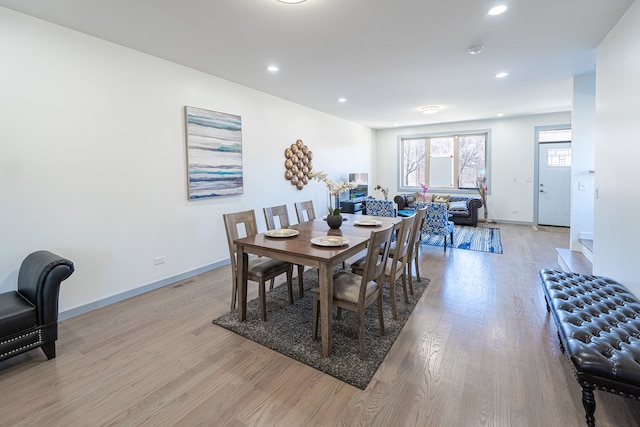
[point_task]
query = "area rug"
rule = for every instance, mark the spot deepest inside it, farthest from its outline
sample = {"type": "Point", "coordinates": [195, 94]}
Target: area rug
{"type": "Point", "coordinates": [483, 239]}
{"type": "Point", "coordinates": [288, 330]}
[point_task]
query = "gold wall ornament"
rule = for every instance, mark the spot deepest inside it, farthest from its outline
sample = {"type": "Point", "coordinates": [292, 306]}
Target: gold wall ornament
{"type": "Point", "coordinates": [298, 166]}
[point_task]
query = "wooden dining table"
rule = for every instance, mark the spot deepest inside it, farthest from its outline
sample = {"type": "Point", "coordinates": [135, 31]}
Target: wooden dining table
{"type": "Point", "coordinates": [299, 249]}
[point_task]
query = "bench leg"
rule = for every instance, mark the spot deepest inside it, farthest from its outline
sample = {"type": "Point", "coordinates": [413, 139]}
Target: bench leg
{"type": "Point", "coordinates": [589, 403]}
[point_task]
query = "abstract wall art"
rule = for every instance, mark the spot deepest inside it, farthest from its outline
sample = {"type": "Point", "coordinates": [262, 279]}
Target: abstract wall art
{"type": "Point", "coordinates": [214, 153]}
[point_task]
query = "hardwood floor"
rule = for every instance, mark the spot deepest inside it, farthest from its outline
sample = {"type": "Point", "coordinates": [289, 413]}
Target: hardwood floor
{"type": "Point", "coordinates": [478, 350]}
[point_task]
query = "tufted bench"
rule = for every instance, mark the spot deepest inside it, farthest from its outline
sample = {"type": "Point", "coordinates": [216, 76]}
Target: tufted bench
{"type": "Point", "coordinates": [598, 324]}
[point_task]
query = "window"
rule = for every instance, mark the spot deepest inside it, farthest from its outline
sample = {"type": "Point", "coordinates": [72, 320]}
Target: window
{"type": "Point", "coordinates": [442, 161]}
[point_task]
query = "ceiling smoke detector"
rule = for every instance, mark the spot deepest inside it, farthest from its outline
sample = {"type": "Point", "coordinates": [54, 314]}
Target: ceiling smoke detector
{"type": "Point", "coordinates": [474, 50]}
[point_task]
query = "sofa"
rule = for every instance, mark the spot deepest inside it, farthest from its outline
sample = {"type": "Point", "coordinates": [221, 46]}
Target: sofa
{"type": "Point", "coordinates": [464, 209]}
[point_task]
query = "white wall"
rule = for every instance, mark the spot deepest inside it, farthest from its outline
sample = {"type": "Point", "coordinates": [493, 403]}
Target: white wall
{"type": "Point", "coordinates": [583, 157]}
{"type": "Point", "coordinates": [512, 160]}
{"type": "Point", "coordinates": [616, 224]}
{"type": "Point", "coordinates": [93, 167]}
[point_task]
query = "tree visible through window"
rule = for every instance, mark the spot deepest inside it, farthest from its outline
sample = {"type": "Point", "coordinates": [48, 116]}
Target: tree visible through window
{"type": "Point", "coordinates": [453, 161]}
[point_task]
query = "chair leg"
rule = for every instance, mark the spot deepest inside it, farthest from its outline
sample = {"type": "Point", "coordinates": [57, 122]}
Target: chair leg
{"type": "Point", "coordinates": [380, 314]}
{"type": "Point", "coordinates": [416, 260]}
{"type": "Point", "coordinates": [234, 290]}
{"type": "Point", "coordinates": [300, 284]}
{"type": "Point", "coordinates": [315, 312]}
{"type": "Point", "coordinates": [361, 340]}
{"type": "Point", "coordinates": [290, 283]}
{"type": "Point", "coordinates": [271, 283]}
{"type": "Point", "coordinates": [49, 349]}
{"type": "Point", "coordinates": [404, 287]}
{"type": "Point", "coordinates": [263, 300]}
{"type": "Point", "coordinates": [392, 295]}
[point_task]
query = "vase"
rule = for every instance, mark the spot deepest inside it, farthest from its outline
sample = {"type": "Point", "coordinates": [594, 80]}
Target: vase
{"type": "Point", "coordinates": [334, 221]}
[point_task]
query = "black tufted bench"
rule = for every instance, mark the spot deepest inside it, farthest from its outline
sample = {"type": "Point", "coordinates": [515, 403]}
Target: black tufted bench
{"type": "Point", "coordinates": [598, 324]}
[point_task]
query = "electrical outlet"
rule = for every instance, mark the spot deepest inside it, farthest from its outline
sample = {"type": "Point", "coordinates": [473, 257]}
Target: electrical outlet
{"type": "Point", "coordinates": [160, 260]}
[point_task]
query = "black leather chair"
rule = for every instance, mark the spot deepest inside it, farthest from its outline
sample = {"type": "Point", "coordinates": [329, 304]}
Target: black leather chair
{"type": "Point", "coordinates": [29, 315]}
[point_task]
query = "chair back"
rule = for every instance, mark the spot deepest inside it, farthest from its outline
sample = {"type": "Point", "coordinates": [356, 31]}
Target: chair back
{"type": "Point", "coordinates": [232, 223]}
{"type": "Point", "coordinates": [280, 212]}
{"type": "Point", "coordinates": [404, 239]}
{"type": "Point", "coordinates": [376, 259]}
{"type": "Point", "coordinates": [380, 207]}
{"type": "Point", "coordinates": [305, 208]}
{"type": "Point", "coordinates": [418, 225]}
{"type": "Point", "coordinates": [436, 221]}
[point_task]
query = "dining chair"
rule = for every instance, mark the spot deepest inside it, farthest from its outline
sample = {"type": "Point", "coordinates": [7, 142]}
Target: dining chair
{"type": "Point", "coordinates": [397, 265]}
{"type": "Point", "coordinates": [355, 292]}
{"type": "Point", "coordinates": [259, 269]}
{"type": "Point", "coordinates": [436, 222]}
{"type": "Point", "coordinates": [414, 250]}
{"type": "Point", "coordinates": [280, 212]}
{"type": "Point", "coordinates": [305, 208]}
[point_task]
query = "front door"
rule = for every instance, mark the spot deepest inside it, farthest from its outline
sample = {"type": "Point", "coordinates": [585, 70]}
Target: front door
{"type": "Point", "coordinates": [554, 184]}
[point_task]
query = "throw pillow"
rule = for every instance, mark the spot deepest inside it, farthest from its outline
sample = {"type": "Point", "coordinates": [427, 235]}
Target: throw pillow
{"type": "Point", "coordinates": [411, 200]}
{"type": "Point", "coordinates": [419, 197]}
{"type": "Point", "coordinates": [458, 206]}
{"type": "Point", "coordinates": [439, 198]}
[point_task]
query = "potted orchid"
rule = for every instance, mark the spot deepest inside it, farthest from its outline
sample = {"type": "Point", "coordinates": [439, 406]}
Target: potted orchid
{"type": "Point", "coordinates": [424, 192]}
{"type": "Point", "coordinates": [335, 188]}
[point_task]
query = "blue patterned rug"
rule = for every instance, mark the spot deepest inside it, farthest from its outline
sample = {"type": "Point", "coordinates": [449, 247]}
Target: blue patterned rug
{"type": "Point", "coordinates": [481, 239]}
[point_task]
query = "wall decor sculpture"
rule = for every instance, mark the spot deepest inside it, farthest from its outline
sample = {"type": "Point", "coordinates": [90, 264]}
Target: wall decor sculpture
{"type": "Point", "coordinates": [214, 153]}
{"type": "Point", "coordinates": [298, 165]}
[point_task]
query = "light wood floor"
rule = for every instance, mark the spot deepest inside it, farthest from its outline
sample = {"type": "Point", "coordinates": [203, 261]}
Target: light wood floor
{"type": "Point", "coordinates": [479, 350]}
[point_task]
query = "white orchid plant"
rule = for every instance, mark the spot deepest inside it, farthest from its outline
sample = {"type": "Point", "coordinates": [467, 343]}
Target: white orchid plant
{"type": "Point", "coordinates": [334, 187]}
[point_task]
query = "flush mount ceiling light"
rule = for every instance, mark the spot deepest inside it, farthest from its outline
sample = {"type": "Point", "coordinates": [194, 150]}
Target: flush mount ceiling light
{"type": "Point", "coordinates": [430, 109]}
{"type": "Point", "coordinates": [474, 50]}
{"type": "Point", "coordinates": [291, 1]}
{"type": "Point", "coordinates": [342, 99]}
{"type": "Point", "coordinates": [501, 75]}
{"type": "Point", "coordinates": [497, 10]}
{"type": "Point", "coordinates": [272, 68]}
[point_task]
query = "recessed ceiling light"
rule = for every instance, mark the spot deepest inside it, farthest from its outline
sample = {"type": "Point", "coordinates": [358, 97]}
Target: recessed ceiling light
{"type": "Point", "coordinates": [430, 109]}
{"type": "Point", "coordinates": [500, 114]}
{"type": "Point", "coordinates": [497, 10]}
{"type": "Point", "coordinates": [501, 75]}
{"type": "Point", "coordinates": [291, 1]}
{"type": "Point", "coordinates": [474, 50]}
{"type": "Point", "coordinates": [272, 68]}
{"type": "Point", "coordinates": [342, 99]}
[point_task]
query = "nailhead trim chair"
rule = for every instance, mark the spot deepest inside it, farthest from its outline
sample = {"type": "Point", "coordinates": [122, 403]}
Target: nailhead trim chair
{"type": "Point", "coordinates": [29, 315]}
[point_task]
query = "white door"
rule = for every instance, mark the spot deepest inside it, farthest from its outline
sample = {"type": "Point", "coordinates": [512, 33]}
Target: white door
{"type": "Point", "coordinates": [554, 184]}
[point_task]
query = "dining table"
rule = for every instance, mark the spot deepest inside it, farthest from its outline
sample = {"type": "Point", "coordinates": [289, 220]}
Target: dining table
{"type": "Point", "coordinates": [312, 244]}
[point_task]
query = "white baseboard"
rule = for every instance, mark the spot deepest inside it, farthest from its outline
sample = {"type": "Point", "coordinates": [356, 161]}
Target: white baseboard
{"type": "Point", "coordinates": [586, 235]}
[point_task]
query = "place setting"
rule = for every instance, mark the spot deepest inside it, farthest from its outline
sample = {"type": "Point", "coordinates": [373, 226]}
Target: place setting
{"type": "Point", "coordinates": [368, 222]}
{"type": "Point", "coordinates": [281, 232]}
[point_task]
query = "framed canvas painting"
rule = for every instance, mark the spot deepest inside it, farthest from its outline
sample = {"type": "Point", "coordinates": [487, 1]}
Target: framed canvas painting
{"type": "Point", "coordinates": [214, 153]}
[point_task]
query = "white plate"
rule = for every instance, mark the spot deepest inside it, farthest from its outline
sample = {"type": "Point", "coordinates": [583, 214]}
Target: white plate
{"type": "Point", "coordinates": [281, 232]}
{"type": "Point", "coordinates": [368, 222]}
{"type": "Point", "coordinates": [329, 241]}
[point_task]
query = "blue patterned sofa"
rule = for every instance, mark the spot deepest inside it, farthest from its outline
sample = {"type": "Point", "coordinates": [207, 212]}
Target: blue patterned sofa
{"type": "Point", "coordinates": [464, 209]}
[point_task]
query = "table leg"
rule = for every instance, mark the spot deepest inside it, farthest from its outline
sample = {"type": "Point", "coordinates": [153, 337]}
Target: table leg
{"type": "Point", "coordinates": [242, 265]}
{"type": "Point", "coordinates": [326, 307]}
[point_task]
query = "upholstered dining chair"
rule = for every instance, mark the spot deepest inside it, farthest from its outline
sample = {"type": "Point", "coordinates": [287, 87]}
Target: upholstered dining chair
{"type": "Point", "coordinates": [380, 207]}
{"type": "Point", "coordinates": [282, 215]}
{"type": "Point", "coordinates": [259, 269]}
{"type": "Point", "coordinates": [305, 208]}
{"type": "Point", "coordinates": [397, 265]}
{"type": "Point", "coordinates": [436, 221]}
{"type": "Point", "coordinates": [355, 292]}
{"type": "Point", "coordinates": [414, 250]}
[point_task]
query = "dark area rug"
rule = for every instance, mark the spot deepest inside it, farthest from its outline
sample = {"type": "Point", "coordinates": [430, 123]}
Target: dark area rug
{"type": "Point", "coordinates": [288, 330]}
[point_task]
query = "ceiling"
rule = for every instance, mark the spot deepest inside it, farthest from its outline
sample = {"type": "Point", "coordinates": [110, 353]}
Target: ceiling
{"type": "Point", "coordinates": [387, 58]}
